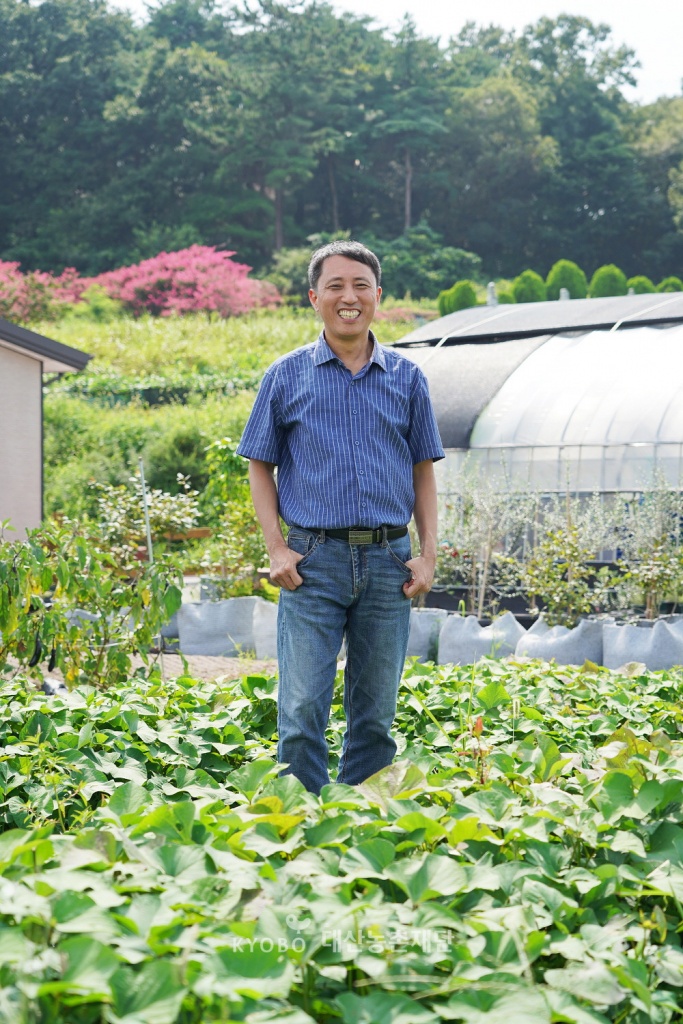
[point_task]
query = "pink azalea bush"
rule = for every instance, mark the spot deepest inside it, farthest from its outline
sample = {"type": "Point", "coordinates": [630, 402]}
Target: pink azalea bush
{"type": "Point", "coordinates": [198, 279]}
{"type": "Point", "coordinates": [36, 295]}
{"type": "Point", "coordinates": [194, 280]}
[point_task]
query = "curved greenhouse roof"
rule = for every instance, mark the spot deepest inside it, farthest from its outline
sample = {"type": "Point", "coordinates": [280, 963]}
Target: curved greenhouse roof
{"type": "Point", "coordinates": [585, 394]}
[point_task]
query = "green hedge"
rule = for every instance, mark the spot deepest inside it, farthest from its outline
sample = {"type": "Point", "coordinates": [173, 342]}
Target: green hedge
{"type": "Point", "coordinates": [606, 281]}
{"type": "Point", "coordinates": [529, 287]}
{"type": "Point", "coordinates": [461, 296]}
{"type": "Point", "coordinates": [566, 274]}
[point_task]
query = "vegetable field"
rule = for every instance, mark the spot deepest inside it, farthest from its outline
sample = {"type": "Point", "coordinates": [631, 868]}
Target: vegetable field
{"type": "Point", "coordinates": [519, 863]}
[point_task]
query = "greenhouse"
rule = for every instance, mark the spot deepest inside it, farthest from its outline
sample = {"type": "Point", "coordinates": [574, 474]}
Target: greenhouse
{"type": "Point", "coordinates": [579, 396]}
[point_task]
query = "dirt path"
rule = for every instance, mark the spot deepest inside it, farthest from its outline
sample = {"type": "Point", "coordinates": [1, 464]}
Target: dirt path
{"type": "Point", "coordinates": [203, 667]}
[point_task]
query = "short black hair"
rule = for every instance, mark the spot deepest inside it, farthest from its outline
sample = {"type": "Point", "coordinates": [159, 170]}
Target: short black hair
{"type": "Point", "coordinates": [343, 247]}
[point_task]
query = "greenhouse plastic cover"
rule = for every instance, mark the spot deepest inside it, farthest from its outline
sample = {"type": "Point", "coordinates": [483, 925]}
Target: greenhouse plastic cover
{"type": "Point", "coordinates": [597, 410]}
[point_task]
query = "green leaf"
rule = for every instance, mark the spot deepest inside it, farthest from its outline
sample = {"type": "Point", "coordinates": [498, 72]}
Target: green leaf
{"type": "Point", "coordinates": [256, 968]}
{"type": "Point", "coordinates": [152, 995]}
{"type": "Point", "coordinates": [367, 860]}
{"type": "Point", "coordinates": [493, 694]}
{"type": "Point", "coordinates": [251, 776]}
{"type": "Point", "coordinates": [128, 800]}
{"type": "Point", "coordinates": [384, 1008]}
{"type": "Point", "coordinates": [615, 796]}
{"type": "Point", "coordinates": [418, 822]}
{"type": "Point", "coordinates": [89, 966]}
{"type": "Point", "coordinates": [172, 820]}
{"type": "Point", "coordinates": [400, 779]}
{"type": "Point", "coordinates": [546, 756]}
{"type": "Point", "coordinates": [430, 876]}
{"type": "Point", "coordinates": [14, 946]}
{"type": "Point", "coordinates": [591, 981]}
{"type": "Point", "coordinates": [521, 1005]}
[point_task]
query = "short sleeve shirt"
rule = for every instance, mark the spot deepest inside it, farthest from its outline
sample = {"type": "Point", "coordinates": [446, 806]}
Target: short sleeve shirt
{"type": "Point", "coordinates": [344, 444]}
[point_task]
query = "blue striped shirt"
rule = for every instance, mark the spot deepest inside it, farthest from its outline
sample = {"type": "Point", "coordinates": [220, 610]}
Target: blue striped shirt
{"type": "Point", "coordinates": [344, 445]}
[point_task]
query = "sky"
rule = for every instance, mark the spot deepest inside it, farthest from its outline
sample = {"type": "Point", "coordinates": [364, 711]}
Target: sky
{"type": "Point", "coordinates": [653, 29]}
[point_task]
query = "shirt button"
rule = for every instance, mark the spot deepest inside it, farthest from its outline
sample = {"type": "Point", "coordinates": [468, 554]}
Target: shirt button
{"type": "Point", "coordinates": [362, 471]}
{"type": "Point", "coordinates": [354, 411]}
{"type": "Point", "coordinates": [356, 442]}
{"type": "Point", "coordinates": [363, 503]}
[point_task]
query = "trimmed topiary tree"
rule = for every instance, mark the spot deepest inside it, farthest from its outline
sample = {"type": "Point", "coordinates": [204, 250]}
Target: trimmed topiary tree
{"type": "Point", "coordinates": [529, 287]}
{"type": "Point", "coordinates": [670, 284]}
{"type": "Point", "coordinates": [504, 297]}
{"type": "Point", "coordinates": [607, 280]}
{"type": "Point", "coordinates": [641, 285]}
{"type": "Point", "coordinates": [566, 274]}
{"type": "Point", "coordinates": [461, 296]}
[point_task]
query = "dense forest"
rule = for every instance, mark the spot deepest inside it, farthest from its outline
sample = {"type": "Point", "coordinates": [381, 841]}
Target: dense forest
{"type": "Point", "coordinates": [254, 127]}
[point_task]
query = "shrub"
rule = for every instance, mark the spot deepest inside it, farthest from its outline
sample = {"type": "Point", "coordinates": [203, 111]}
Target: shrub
{"type": "Point", "coordinates": [57, 570]}
{"type": "Point", "coordinates": [641, 285]}
{"type": "Point", "coordinates": [461, 296]}
{"type": "Point", "coordinates": [417, 263]}
{"type": "Point", "coordinates": [505, 297]}
{"type": "Point", "coordinates": [34, 296]}
{"type": "Point", "coordinates": [566, 274]}
{"type": "Point", "coordinates": [198, 279]}
{"type": "Point", "coordinates": [289, 273]}
{"type": "Point", "coordinates": [670, 284]}
{"type": "Point", "coordinates": [529, 287]}
{"type": "Point", "coordinates": [606, 281]}
{"type": "Point", "coordinates": [96, 305]}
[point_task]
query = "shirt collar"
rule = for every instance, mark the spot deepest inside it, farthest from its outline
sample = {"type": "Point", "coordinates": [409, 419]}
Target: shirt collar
{"type": "Point", "coordinates": [323, 353]}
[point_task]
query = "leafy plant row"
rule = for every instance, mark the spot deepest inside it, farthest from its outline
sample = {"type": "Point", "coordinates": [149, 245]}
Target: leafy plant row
{"type": "Point", "coordinates": [520, 862]}
{"type": "Point", "coordinates": [111, 388]}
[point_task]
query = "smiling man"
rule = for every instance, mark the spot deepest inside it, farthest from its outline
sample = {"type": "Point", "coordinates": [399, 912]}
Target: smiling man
{"type": "Point", "coordinates": [350, 427]}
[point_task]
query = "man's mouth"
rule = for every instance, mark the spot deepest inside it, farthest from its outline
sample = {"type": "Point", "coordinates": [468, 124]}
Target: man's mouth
{"type": "Point", "coordinates": [349, 314]}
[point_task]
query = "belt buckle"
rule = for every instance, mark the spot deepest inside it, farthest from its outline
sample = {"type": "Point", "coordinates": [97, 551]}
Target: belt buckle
{"type": "Point", "coordinates": [361, 536]}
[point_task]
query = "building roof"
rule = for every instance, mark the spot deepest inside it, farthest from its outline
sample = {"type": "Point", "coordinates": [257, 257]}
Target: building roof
{"type": "Point", "coordinates": [530, 319]}
{"type": "Point", "coordinates": [55, 357]}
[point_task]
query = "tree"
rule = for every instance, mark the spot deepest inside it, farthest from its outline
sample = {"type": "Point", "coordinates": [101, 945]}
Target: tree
{"type": "Point", "coordinates": [300, 97]}
{"type": "Point", "coordinates": [489, 171]}
{"type": "Point", "coordinates": [670, 284]}
{"type": "Point", "coordinates": [418, 262]}
{"type": "Point", "coordinates": [461, 296]}
{"type": "Point", "coordinates": [412, 101]}
{"type": "Point", "coordinates": [607, 280]}
{"type": "Point", "coordinates": [566, 274]}
{"type": "Point", "coordinates": [174, 128]}
{"type": "Point", "coordinates": [60, 62]}
{"type": "Point", "coordinates": [529, 287]}
{"type": "Point", "coordinates": [595, 203]}
{"type": "Point", "coordinates": [640, 285]}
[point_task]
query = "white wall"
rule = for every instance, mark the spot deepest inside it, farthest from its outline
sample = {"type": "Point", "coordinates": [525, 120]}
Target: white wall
{"type": "Point", "coordinates": [20, 440]}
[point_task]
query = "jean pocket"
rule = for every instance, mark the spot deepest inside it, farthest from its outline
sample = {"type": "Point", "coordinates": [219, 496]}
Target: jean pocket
{"type": "Point", "coordinates": [304, 543]}
{"type": "Point", "coordinates": [399, 561]}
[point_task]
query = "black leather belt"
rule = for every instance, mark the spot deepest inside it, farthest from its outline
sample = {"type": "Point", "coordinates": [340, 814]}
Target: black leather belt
{"type": "Point", "coordinates": [359, 535]}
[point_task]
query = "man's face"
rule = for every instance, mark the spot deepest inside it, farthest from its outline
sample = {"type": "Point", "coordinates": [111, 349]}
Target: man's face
{"type": "Point", "coordinates": [346, 297]}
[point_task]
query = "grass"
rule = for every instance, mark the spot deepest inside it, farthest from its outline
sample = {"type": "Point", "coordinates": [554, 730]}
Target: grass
{"type": "Point", "coordinates": [197, 344]}
{"type": "Point", "coordinates": [87, 441]}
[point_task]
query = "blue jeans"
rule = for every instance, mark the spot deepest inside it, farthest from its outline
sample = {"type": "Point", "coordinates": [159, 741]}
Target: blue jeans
{"type": "Point", "coordinates": [352, 589]}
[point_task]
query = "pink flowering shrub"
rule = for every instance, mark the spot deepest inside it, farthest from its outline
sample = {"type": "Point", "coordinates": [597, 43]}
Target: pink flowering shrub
{"type": "Point", "coordinates": [36, 295]}
{"type": "Point", "coordinates": [198, 279]}
{"type": "Point", "coordinates": [194, 280]}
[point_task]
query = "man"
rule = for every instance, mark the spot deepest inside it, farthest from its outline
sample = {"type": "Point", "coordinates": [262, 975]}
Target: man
{"type": "Point", "coordinates": [351, 429]}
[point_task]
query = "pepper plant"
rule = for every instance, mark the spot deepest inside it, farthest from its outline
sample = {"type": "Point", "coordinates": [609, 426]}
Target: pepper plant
{"type": "Point", "coordinates": [65, 603]}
